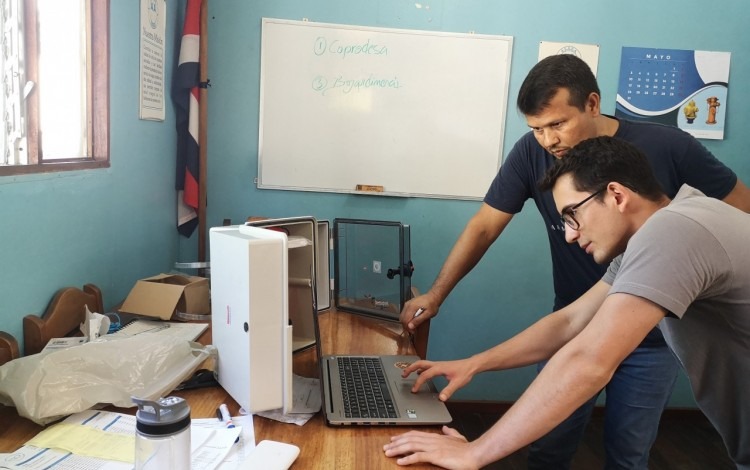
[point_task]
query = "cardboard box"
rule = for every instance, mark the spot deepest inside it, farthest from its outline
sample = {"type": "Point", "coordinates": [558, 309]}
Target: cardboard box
{"type": "Point", "coordinates": [159, 296]}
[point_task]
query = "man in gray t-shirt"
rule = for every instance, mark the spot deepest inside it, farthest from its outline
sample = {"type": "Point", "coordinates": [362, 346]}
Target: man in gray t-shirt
{"type": "Point", "coordinates": [679, 264]}
{"type": "Point", "coordinates": [691, 258]}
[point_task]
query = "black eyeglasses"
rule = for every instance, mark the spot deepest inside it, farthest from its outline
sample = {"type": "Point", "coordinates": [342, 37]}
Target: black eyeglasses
{"type": "Point", "coordinates": [567, 216]}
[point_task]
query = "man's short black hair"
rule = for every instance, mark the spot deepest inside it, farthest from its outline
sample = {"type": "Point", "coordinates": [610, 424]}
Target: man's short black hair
{"type": "Point", "coordinates": [550, 75]}
{"type": "Point", "coordinates": [596, 162]}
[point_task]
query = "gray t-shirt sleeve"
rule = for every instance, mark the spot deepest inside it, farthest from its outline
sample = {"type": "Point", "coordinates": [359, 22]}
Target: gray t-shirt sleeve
{"type": "Point", "coordinates": [672, 261]}
{"type": "Point", "coordinates": [614, 266]}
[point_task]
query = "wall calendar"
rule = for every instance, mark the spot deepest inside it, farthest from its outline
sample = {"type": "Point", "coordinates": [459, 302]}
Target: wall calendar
{"type": "Point", "coordinates": [682, 88]}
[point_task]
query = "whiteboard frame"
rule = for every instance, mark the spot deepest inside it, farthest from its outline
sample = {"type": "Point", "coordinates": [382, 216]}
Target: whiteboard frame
{"type": "Point", "coordinates": [259, 180]}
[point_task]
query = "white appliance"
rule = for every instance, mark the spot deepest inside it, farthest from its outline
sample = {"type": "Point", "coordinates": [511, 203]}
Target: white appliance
{"type": "Point", "coordinates": [250, 316]}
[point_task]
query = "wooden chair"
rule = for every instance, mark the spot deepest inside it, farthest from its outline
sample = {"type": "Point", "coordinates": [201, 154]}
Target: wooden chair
{"type": "Point", "coordinates": [63, 317]}
{"type": "Point", "coordinates": [8, 347]}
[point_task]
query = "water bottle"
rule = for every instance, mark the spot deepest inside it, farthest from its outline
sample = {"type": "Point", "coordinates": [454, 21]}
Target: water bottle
{"type": "Point", "coordinates": [162, 439]}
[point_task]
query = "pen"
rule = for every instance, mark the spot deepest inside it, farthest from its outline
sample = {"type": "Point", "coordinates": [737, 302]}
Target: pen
{"type": "Point", "coordinates": [418, 312]}
{"type": "Point", "coordinates": [223, 414]}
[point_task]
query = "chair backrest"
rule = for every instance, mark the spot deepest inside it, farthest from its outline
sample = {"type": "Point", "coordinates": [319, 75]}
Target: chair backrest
{"type": "Point", "coordinates": [8, 347]}
{"type": "Point", "coordinates": [63, 317]}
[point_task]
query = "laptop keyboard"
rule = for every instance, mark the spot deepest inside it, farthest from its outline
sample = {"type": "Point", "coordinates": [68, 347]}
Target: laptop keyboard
{"type": "Point", "coordinates": [364, 388]}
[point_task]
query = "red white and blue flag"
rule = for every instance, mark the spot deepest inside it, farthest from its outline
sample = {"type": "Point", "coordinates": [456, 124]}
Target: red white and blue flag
{"type": "Point", "coordinates": [186, 97]}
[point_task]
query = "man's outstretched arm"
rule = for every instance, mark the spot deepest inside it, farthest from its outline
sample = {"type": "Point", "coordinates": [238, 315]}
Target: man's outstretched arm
{"type": "Point", "coordinates": [480, 232]}
{"type": "Point", "coordinates": [573, 375]}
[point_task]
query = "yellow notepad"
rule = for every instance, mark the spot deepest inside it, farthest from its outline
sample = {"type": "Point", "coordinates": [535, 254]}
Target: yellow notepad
{"type": "Point", "coordinates": [85, 440]}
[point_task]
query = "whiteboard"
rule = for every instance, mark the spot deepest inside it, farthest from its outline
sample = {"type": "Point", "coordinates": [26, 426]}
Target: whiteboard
{"type": "Point", "coordinates": [420, 113]}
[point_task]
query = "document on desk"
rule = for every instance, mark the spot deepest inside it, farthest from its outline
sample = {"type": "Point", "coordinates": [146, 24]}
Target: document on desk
{"type": "Point", "coordinates": [38, 458]}
{"type": "Point", "coordinates": [244, 445]}
{"type": "Point", "coordinates": [70, 446]}
{"type": "Point", "coordinates": [306, 402]}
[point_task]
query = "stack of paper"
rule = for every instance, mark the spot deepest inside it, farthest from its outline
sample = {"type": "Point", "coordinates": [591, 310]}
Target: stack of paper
{"type": "Point", "coordinates": [188, 331]}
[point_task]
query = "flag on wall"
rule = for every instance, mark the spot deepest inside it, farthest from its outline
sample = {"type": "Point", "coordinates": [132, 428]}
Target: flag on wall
{"type": "Point", "coordinates": [185, 94]}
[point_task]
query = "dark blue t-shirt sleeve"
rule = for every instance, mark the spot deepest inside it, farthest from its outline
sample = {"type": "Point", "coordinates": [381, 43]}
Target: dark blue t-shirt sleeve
{"type": "Point", "coordinates": [703, 171]}
{"type": "Point", "coordinates": [515, 181]}
{"type": "Point", "coordinates": [678, 158]}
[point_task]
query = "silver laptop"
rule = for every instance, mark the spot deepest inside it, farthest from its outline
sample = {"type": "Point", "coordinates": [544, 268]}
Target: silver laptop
{"type": "Point", "coordinates": [369, 390]}
{"type": "Point", "coordinates": [390, 401]}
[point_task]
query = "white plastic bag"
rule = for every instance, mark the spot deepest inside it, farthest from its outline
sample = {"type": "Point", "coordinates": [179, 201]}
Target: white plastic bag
{"type": "Point", "coordinates": [47, 386]}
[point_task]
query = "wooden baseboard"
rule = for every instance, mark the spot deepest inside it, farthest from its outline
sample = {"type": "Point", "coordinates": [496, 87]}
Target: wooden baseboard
{"type": "Point", "coordinates": [500, 407]}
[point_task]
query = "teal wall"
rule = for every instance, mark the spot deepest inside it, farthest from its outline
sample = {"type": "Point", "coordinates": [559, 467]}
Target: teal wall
{"type": "Point", "coordinates": [108, 227]}
{"type": "Point", "coordinates": [113, 226]}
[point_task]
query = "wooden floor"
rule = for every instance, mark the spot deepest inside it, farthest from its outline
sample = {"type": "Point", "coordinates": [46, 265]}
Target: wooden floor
{"type": "Point", "coordinates": [686, 441]}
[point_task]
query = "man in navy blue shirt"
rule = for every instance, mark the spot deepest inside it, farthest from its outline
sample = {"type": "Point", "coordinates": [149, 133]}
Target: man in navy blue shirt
{"type": "Point", "coordinates": [560, 100]}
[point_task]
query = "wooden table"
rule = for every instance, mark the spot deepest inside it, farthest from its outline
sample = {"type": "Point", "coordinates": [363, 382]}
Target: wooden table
{"type": "Point", "coordinates": [321, 446]}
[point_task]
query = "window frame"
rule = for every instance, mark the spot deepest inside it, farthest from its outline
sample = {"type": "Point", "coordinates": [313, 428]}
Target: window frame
{"type": "Point", "coordinates": [97, 111]}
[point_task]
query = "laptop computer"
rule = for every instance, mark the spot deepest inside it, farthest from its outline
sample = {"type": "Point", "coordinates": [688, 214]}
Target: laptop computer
{"type": "Point", "coordinates": [391, 401]}
{"type": "Point", "coordinates": [369, 389]}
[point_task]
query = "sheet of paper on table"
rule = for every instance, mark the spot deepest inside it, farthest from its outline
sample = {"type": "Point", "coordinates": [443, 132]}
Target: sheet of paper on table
{"type": "Point", "coordinates": [244, 445]}
{"type": "Point", "coordinates": [306, 402]}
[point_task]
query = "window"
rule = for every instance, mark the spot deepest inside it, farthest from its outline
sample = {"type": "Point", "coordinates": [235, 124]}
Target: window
{"type": "Point", "coordinates": [55, 100]}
